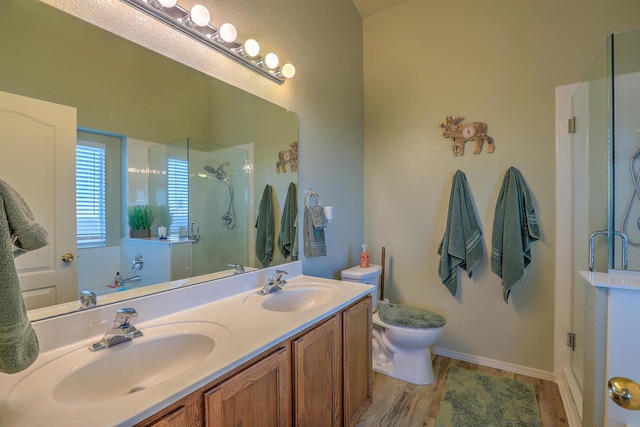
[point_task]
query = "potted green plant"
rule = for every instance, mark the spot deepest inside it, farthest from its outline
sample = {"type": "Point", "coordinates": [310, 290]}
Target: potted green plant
{"type": "Point", "coordinates": [140, 219]}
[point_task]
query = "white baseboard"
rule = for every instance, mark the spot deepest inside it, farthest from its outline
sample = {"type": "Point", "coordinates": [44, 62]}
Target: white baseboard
{"type": "Point", "coordinates": [571, 400]}
{"type": "Point", "coordinates": [516, 369]}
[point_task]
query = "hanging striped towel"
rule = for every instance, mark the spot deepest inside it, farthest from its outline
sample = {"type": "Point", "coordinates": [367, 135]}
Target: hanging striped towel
{"type": "Point", "coordinates": [288, 237]}
{"type": "Point", "coordinates": [18, 228]}
{"type": "Point", "coordinates": [515, 227]}
{"type": "Point", "coordinates": [461, 244]}
{"type": "Point", "coordinates": [266, 228]}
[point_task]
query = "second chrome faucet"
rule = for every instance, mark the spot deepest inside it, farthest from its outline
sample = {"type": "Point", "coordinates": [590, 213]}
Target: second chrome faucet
{"type": "Point", "coordinates": [276, 282]}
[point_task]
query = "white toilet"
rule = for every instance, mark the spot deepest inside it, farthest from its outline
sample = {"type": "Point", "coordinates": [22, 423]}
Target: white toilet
{"type": "Point", "coordinates": [401, 342]}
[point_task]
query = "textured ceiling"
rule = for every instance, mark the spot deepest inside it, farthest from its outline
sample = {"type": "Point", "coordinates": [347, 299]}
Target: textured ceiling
{"type": "Point", "coordinates": [369, 7]}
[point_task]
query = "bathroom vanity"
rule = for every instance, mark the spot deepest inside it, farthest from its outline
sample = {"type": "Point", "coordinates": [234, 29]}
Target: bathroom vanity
{"type": "Point", "coordinates": [319, 377]}
{"type": "Point", "coordinates": [217, 353]}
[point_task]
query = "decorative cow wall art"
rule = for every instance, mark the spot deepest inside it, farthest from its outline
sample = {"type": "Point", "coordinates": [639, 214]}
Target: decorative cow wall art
{"type": "Point", "coordinates": [459, 133]}
{"type": "Point", "coordinates": [288, 156]}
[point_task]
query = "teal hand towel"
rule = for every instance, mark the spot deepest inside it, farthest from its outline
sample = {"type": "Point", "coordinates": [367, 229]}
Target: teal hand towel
{"type": "Point", "coordinates": [18, 341]}
{"type": "Point", "coordinates": [317, 216]}
{"type": "Point", "coordinates": [314, 241]}
{"type": "Point", "coordinates": [461, 244]}
{"type": "Point", "coordinates": [515, 227]}
{"type": "Point", "coordinates": [289, 224]}
{"type": "Point", "coordinates": [266, 228]}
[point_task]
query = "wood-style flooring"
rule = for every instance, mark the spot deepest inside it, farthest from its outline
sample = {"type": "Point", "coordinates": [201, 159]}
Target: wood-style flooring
{"type": "Point", "coordinates": [400, 404]}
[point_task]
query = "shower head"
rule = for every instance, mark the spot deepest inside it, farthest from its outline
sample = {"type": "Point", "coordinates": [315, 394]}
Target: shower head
{"type": "Point", "coordinates": [217, 172]}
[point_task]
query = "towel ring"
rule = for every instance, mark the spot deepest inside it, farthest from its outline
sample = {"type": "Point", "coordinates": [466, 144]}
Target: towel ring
{"type": "Point", "coordinates": [311, 193]}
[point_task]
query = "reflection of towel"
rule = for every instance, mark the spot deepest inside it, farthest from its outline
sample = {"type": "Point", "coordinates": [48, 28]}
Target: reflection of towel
{"type": "Point", "coordinates": [288, 225]}
{"type": "Point", "coordinates": [317, 216]}
{"type": "Point", "coordinates": [265, 226]}
{"type": "Point", "coordinates": [515, 227]}
{"type": "Point", "coordinates": [18, 341]}
{"type": "Point", "coordinates": [461, 244]}
{"type": "Point", "coordinates": [314, 243]}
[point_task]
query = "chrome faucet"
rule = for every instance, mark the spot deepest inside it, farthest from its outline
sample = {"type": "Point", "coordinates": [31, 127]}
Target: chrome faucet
{"type": "Point", "coordinates": [88, 299]}
{"type": "Point", "coordinates": [121, 331]}
{"type": "Point", "coordinates": [130, 280]}
{"type": "Point", "coordinates": [138, 262]}
{"type": "Point", "coordinates": [237, 268]}
{"type": "Point", "coordinates": [276, 282]}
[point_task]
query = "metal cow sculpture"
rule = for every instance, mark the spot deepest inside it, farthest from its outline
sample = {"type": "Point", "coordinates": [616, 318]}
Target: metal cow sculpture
{"type": "Point", "coordinates": [463, 132]}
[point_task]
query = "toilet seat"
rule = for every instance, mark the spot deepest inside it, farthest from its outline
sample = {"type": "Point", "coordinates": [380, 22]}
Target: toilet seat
{"type": "Point", "coordinates": [404, 316]}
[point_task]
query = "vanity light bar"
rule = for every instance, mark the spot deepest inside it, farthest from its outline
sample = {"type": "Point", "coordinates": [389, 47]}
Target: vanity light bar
{"type": "Point", "coordinates": [179, 19]}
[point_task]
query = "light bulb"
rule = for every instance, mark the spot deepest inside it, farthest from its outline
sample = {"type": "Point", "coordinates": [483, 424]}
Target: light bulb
{"type": "Point", "coordinates": [228, 32]}
{"type": "Point", "coordinates": [251, 48]}
{"type": "Point", "coordinates": [271, 60]}
{"type": "Point", "coordinates": [288, 71]}
{"type": "Point", "coordinates": [200, 15]}
{"type": "Point", "coordinates": [159, 4]}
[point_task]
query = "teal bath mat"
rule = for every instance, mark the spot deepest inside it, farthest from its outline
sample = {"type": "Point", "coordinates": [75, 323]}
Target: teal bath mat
{"type": "Point", "coordinates": [474, 399]}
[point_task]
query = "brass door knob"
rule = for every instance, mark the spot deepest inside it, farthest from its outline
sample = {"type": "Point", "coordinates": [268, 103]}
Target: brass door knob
{"type": "Point", "coordinates": [68, 257]}
{"type": "Point", "coordinates": [625, 393]}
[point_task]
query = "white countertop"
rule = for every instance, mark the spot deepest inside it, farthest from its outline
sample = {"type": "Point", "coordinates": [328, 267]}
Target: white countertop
{"type": "Point", "coordinates": [231, 305]}
{"type": "Point", "coordinates": [614, 279]}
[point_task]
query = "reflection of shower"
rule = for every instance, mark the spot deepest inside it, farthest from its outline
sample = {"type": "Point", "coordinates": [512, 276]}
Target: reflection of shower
{"type": "Point", "coordinates": [228, 219]}
{"type": "Point", "coordinates": [635, 192]}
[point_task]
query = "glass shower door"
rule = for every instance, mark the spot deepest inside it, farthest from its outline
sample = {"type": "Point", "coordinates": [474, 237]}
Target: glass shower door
{"type": "Point", "coordinates": [626, 147]}
{"type": "Point", "coordinates": [590, 180]}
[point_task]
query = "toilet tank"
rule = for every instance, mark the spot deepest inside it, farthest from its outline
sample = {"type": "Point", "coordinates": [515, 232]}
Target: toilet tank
{"type": "Point", "coordinates": [369, 276]}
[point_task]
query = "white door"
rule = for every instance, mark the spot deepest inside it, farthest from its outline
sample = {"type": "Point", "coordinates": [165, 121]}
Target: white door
{"type": "Point", "coordinates": [38, 143]}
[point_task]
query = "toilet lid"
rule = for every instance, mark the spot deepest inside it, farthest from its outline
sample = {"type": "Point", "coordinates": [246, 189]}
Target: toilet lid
{"type": "Point", "coordinates": [410, 317]}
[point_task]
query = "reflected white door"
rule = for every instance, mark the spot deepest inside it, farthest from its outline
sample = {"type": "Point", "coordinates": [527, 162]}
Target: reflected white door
{"type": "Point", "coordinates": [38, 141]}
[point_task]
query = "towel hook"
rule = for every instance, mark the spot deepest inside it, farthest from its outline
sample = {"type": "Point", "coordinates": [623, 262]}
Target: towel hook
{"type": "Point", "coordinates": [311, 193]}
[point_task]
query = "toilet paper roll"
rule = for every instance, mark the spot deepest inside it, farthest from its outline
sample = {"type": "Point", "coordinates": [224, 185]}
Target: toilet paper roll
{"type": "Point", "coordinates": [328, 213]}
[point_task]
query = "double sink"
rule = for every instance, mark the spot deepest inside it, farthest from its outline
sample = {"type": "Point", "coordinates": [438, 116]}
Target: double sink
{"type": "Point", "coordinates": [169, 355]}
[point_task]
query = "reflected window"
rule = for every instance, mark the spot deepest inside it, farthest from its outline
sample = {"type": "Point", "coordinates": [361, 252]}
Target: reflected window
{"type": "Point", "coordinates": [91, 194]}
{"type": "Point", "coordinates": [178, 194]}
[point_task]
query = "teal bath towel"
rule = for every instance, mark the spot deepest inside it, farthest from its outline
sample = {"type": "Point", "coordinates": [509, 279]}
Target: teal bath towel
{"type": "Point", "coordinates": [515, 227]}
{"type": "Point", "coordinates": [461, 244]}
{"type": "Point", "coordinates": [288, 237]}
{"type": "Point", "coordinates": [18, 341]}
{"type": "Point", "coordinates": [266, 228]}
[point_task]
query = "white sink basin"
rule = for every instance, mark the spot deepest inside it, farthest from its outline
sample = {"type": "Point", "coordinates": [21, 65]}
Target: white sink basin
{"type": "Point", "coordinates": [166, 353]}
{"type": "Point", "coordinates": [296, 297]}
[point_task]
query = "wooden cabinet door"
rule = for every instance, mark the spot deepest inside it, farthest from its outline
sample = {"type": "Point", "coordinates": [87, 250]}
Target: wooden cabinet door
{"type": "Point", "coordinates": [177, 418]}
{"type": "Point", "coordinates": [317, 376]}
{"type": "Point", "coordinates": [257, 396]}
{"type": "Point", "coordinates": [357, 360]}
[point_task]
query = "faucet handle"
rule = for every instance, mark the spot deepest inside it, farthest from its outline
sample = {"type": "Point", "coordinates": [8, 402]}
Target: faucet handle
{"type": "Point", "coordinates": [277, 275]}
{"type": "Point", "coordinates": [238, 268]}
{"type": "Point", "coordinates": [123, 316]}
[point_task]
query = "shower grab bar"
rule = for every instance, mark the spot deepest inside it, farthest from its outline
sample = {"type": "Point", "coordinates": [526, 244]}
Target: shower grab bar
{"type": "Point", "coordinates": [625, 245]}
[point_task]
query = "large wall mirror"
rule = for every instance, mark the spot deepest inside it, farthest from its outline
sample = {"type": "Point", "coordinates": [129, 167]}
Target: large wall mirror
{"type": "Point", "coordinates": [198, 151]}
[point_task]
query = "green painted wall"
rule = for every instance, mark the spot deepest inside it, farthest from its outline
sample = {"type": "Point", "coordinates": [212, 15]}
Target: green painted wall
{"type": "Point", "coordinates": [490, 61]}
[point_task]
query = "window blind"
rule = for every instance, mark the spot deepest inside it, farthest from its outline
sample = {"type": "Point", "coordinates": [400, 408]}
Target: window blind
{"type": "Point", "coordinates": [90, 194]}
{"type": "Point", "coordinates": [178, 194]}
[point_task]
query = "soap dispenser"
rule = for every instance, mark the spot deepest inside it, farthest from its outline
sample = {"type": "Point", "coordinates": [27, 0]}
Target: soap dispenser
{"type": "Point", "coordinates": [117, 280]}
{"type": "Point", "coordinates": [364, 257]}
